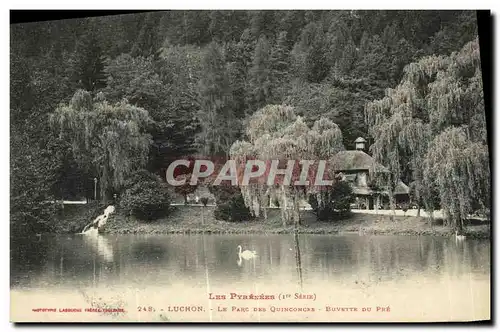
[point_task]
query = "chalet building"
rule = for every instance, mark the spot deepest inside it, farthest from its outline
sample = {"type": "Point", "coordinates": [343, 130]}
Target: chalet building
{"type": "Point", "coordinates": [356, 167]}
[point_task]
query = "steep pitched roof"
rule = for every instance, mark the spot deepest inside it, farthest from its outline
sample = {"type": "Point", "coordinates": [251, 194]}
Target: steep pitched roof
{"type": "Point", "coordinates": [355, 160]}
{"type": "Point", "coordinates": [401, 189]}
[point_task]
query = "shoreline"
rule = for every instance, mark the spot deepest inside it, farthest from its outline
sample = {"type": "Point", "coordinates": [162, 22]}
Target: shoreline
{"type": "Point", "coordinates": [472, 232]}
{"type": "Point", "coordinates": [199, 220]}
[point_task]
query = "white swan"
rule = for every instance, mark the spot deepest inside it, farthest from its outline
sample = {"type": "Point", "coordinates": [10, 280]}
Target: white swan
{"type": "Point", "coordinates": [247, 254]}
{"type": "Point", "coordinates": [459, 237]}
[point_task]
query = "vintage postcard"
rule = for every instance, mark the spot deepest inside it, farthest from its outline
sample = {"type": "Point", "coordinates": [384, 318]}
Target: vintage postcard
{"type": "Point", "coordinates": [250, 166]}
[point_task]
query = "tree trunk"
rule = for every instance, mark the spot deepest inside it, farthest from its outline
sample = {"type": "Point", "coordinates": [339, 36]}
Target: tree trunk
{"type": "Point", "coordinates": [284, 211]}
{"type": "Point", "coordinates": [264, 205]}
{"type": "Point", "coordinates": [446, 217]}
{"type": "Point", "coordinates": [103, 183]}
{"type": "Point", "coordinates": [459, 226]}
{"type": "Point", "coordinates": [431, 217]}
{"type": "Point", "coordinates": [392, 205]}
{"type": "Point", "coordinates": [418, 210]}
{"type": "Point", "coordinates": [185, 199]}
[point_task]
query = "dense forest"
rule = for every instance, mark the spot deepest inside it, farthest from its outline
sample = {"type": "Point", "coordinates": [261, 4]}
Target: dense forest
{"type": "Point", "coordinates": [189, 82]}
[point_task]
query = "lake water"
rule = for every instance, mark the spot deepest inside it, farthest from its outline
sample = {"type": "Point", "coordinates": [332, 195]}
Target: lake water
{"type": "Point", "coordinates": [302, 278]}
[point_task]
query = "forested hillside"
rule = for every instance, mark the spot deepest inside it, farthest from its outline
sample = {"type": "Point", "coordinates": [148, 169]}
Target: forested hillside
{"type": "Point", "coordinates": [199, 75]}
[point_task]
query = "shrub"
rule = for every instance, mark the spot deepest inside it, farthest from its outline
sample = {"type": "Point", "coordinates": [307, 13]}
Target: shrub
{"type": "Point", "coordinates": [230, 204]}
{"type": "Point", "coordinates": [35, 217]}
{"type": "Point", "coordinates": [145, 197]}
{"type": "Point", "coordinates": [323, 211]}
{"type": "Point", "coordinates": [233, 210]}
{"type": "Point", "coordinates": [335, 203]}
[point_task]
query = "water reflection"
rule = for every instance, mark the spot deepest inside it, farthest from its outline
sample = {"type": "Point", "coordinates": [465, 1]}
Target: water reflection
{"type": "Point", "coordinates": [207, 276]}
{"type": "Point", "coordinates": [297, 257]}
{"type": "Point", "coordinates": [147, 253]}
{"type": "Point", "coordinates": [208, 261]}
{"type": "Point", "coordinates": [100, 245]}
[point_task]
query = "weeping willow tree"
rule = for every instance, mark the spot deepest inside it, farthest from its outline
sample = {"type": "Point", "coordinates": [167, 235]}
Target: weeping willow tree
{"type": "Point", "coordinates": [432, 126]}
{"type": "Point", "coordinates": [109, 140]}
{"type": "Point", "coordinates": [460, 169]}
{"type": "Point", "coordinates": [276, 133]}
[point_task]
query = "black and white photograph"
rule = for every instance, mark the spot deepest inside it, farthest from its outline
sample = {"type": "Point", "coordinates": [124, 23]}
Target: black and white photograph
{"type": "Point", "coordinates": [221, 166]}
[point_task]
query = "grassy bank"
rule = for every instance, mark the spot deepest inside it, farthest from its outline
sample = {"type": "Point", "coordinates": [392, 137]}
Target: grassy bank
{"type": "Point", "coordinates": [197, 219]}
{"type": "Point", "coordinates": [73, 218]}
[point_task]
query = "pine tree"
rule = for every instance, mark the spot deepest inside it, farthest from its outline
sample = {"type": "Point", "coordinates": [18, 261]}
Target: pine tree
{"type": "Point", "coordinates": [246, 46]}
{"type": "Point", "coordinates": [237, 75]}
{"type": "Point", "coordinates": [147, 42]}
{"type": "Point", "coordinates": [263, 23]}
{"type": "Point", "coordinates": [316, 58]}
{"type": "Point", "coordinates": [227, 25]}
{"type": "Point", "coordinates": [345, 63]}
{"type": "Point", "coordinates": [260, 74]}
{"type": "Point", "coordinates": [280, 58]}
{"type": "Point", "coordinates": [291, 22]}
{"type": "Point", "coordinates": [218, 124]}
{"type": "Point", "coordinates": [87, 63]}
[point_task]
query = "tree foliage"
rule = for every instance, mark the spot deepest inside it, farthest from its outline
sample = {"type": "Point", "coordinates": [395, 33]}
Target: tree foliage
{"type": "Point", "coordinates": [432, 125]}
{"type": "Point", "coordinates": [335, 203]}
{"type": "Point", "coordinates": [230, 204]}
{"type": "Point", "coordinates": [201, 75]}
{"type": "Point", "coordinates": [110, 138]}
{"type": "Point", "coordinates": [260, 74]}
{"type": "Point", "coordinates": [145, 196]}
{"type": "Point", "coordinates": [276, 133]}
{"type": "Point", "coordinates": [219, 126]}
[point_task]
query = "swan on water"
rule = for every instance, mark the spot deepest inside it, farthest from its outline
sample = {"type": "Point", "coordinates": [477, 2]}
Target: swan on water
{"type": "Point", "coordinates": [459, 237]}
{"type": "Point", "coordinates": [247, 254]}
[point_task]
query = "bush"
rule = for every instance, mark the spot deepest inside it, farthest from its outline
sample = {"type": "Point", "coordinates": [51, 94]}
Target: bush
{"type": "Point", "coordinates": [335, 203]}
{"type": "Point", "coordinates": [230, 204]}
{"type": "Point", "coordinates": [145, 197]}
{"type": "Point", "coordinates": [36, 217]}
